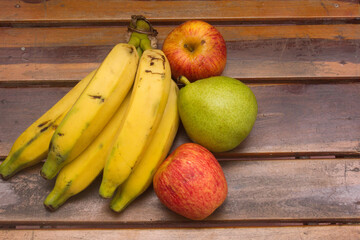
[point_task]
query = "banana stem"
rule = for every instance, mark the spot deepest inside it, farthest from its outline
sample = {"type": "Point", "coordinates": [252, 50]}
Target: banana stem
{"type": "Point", "coordinates": [139, 50]}
{"type": "Point", "coordinates": [141, 29]}
{"type": "Point", "coordinates": [145, 44]}
{"type": "Point", "coordinates": [134, 40]}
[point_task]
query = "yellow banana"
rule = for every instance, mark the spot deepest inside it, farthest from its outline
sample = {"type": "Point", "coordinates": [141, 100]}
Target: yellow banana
{"type": "Point", "coordinates": [142, 175]}
{"type": "Point", "coordinates": [77, 175]}
{"type": "Point", "coordinates": [147, 104]}
{"type": "Point", "coordinates": [93, 109]}
{"type": "Point", "coordinates": [31, 147]}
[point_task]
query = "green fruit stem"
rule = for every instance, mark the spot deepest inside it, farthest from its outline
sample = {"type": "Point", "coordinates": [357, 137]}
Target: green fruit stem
{"type": "Point", "coordinates": [140, 30]}
{"type": "Point", "coordinates": [139, 51]}
{"type": "Point", "coordinates": [134, 40]}
{"type": "Point", "coordinates": [184, 80]}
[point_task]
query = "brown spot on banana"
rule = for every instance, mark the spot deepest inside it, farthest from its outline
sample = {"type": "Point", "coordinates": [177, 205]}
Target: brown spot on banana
{"type": "Point", "coordinates": [131, 50]}
{"type": "Point", "coordinates": [45, 128]}
{"type": "Point", "coordinates": [68, 184]}
{"type": "Point", "coordinates": [163, 58]}
{"type": "Point", "coordinates": [156, 58]}
{"type": "Point", "coordinates": [43, 123]}
{"type": "Point", "coordinates": [97, 97]}
{"type": "Point", "coordinates": [30, 141]}
{"type": "Point", "coordinates": [149, 71]}
{"type": "Point", "coordinates": [152, 58]}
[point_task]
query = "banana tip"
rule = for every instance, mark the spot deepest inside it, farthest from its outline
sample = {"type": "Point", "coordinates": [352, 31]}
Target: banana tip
{"type": "Point", "coordinates": [106, 190]}
{"type": "Point", "coordinates": [49, 207]}
{"type": "Point", "coordinates": [116, 210]}
{"type": "Point", "coordinates": [104, 195]}
{"type": "Point", "coordinates": [44, 175]}
{"type": "Point", "coordinates": [3, 177]}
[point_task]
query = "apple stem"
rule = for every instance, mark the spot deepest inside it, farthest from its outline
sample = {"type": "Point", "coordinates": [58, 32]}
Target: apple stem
{"type": "Point", "coordinates": [189, 47]}
{"type": "Point", "coordinates": [184, 80]}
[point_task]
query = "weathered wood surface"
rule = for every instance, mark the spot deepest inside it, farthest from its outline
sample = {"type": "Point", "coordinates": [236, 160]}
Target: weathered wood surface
{"type": "Point", "coordinates": [110, 35]}
{"type": "Point", "coordinates": [293, 119]}
{"type": "Point", "coordinates": [281, 48]}
{"type": "Point", "coordinates": [87, 12]}
{"type": "Point", "coordinates": [269, 233]}
{"type": "Point", "coordinates": [275, 191]}
{"type": "Point", "coordinates": [291, 53]}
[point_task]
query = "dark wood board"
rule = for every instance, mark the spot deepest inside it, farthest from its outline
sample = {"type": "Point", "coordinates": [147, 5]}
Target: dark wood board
{"type": "Point", "coordinates": [276, 191]}
{"type": "Point", "coordinates": [110, 35]}
{"type": "Point", "coordinates": [293, 119]}
{"type": "Point", "coordinates": [300, 164]}
{"type": "Point", "coordinates": [116, 11]}
{"type": "Point", "coordinates": [295, 53]}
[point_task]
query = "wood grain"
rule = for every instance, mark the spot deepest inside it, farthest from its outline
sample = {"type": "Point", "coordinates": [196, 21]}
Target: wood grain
{"type": "Point", "coordinates": [110, 35]}
{"type": "Point", "coordinates": [293, 119]}
{"type": "Point", "coordinates": [269, 233]}
{"type": "Point", "coordinates": [116, 11]}
{"type": "Point", "coordinates": [294, 53]}
{"type": "Point", "coordinates": [300, 164]}
{"type": "Point", "coordinates": [273, 191]}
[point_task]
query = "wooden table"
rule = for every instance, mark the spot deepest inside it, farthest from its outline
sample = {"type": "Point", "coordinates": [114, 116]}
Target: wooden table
{"type": "Point", "coordinates": [297, 176]}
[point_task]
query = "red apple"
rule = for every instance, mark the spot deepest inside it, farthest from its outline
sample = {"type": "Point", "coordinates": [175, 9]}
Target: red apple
{"type": "Point", "coordinates": [196, 50]}
{"type": "Point", "coordinates": [191, 182]}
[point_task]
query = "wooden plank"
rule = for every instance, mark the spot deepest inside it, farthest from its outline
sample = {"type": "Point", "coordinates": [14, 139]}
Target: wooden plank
{"type": "Point", "coordinates": [110, 35]}
{"type": "Point", "coordinates": [115, 11]}
{"type": "Point", "coordinates": [276, 191]}
{"type": "Point", "coordinates": [293, 119]}
{"type": "Point", "coordinates": [294, 53]}
{"type": "Point", "coordinates": [269, 233]}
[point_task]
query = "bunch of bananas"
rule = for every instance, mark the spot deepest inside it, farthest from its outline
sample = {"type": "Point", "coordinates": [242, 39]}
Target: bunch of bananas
{"type": "Point", "coordinates": [120, 119]}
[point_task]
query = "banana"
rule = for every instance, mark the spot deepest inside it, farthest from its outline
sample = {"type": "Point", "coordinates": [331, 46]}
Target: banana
{"type": "Point", "coordinates": [78, 174]}
{"type": "Point", "coordinates": [31, 147]}
{"type": "Point", "coordinates": [147, 104]}
{"type": "Point", "coordinates": [142, 175]}
{"type": "Point", "coordinates": [93, 109]}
